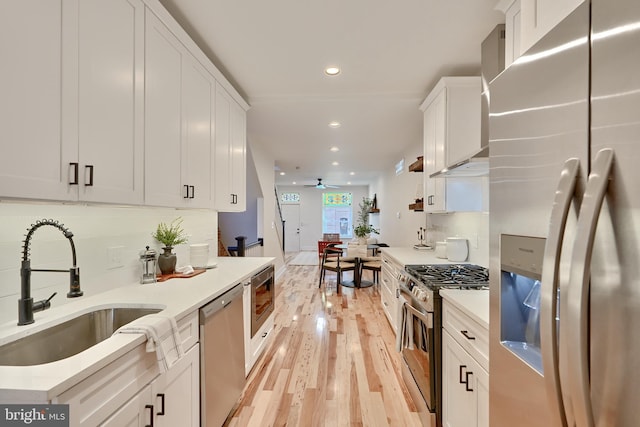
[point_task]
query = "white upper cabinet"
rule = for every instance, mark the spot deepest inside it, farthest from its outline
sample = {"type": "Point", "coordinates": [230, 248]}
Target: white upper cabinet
{"type": "Point", "coordinates": [512, 18]}
{"type": "Point", "coordinates": [198, 149]}
{"type": "Point", "coordinates": [71, 110]}
{"type": "Point", "coordinates": [30, 105]}
{"type": "Point", "coordinates": [434, 150]}
{"type": "Point", "coordinates": [538, 17]}
{"type": "Point", "coordinates": [451, 132]}
{"type": "Point", "coordinates": [230, 153]}
{"type": "Point", "coordinates": [111, 101]}
{"type": "Point", "coordinates": [178, 121]}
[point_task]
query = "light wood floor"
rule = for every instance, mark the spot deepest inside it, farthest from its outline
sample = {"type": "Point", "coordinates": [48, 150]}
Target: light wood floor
{"type": "Point", "coordinates": [332, 362]}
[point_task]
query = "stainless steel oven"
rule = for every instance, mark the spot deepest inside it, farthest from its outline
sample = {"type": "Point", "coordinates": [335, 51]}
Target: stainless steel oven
{"type": "Point", "coordinates": [420, 329]}
{"type": "Point", "coordinates": [421, 336]}
{"type": "Point", "coordinates": [262, 298]}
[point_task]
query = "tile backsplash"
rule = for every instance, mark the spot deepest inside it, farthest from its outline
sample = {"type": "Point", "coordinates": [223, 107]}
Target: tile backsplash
{"type": "Point", "coordinates": [474, 226]}
{"type": "Point", "coordinates": [99, 232]}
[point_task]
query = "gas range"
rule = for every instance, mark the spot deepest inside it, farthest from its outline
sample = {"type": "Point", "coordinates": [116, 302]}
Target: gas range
{"type": "Point", "coordinates": [449, 276]}
{"type": "Point", "coordinates": [422, 282]}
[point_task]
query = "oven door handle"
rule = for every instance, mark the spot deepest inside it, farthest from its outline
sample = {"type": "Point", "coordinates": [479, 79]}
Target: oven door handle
{"type": "Point", "coordinates": [417, 314]}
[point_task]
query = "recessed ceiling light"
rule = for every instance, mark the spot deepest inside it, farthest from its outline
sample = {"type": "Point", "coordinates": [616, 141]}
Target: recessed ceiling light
{"type": "Point", "coordinates": [332, 71]}
{"type": "Point", "coordinates": [334, 149]}
{"type": "Point", "coordinates": [282, 173]}
{"type": "Point", "coordinates": [294, 183]}
{"type": "Point", "coordinates": [335, 163]}
{"type": "Point", "coordinates": [348, 182]}
{"type": "Point", "coordinates": [352, 173]}
{"type": "Point", "coordinates": [334, 124]}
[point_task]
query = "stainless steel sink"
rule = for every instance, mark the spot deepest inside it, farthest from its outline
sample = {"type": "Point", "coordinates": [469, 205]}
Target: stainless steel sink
{"type": "Point", "coordinates": [69, 338]}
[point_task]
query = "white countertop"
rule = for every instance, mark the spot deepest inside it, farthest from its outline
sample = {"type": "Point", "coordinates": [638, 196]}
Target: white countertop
{"type": "Point", "coordinates": [409, 255]}
{"type": "Point", "coordinates": [474, 302]}
{"type": "Point", "coordinates": [177, 297]}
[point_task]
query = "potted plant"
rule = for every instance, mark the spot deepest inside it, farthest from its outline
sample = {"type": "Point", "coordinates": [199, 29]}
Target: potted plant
{"type": "Point", "coordinates": [169, 235]}
{"type": "Point", "coordinates": [364, 229]}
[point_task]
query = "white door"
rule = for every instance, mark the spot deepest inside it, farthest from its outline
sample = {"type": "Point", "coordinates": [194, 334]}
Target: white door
{"type": "Point", "coordinates": [291, 216]}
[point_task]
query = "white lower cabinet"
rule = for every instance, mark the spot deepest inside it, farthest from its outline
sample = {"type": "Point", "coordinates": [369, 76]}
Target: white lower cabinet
{"type": "Point", "coordinates": [171, 400]}
{"type": "Point", "coordinates": [176, 393]}
{"type": "Point", "coordinates": [131, 391]}
{"type": "Point", "coordinates": [389, 290]}
{"type": "Point", "coordinates": [254, 346]}
{"type": "Point", "coordinates": [465, 379]}
{"type": "Point", "coordinates": [137, 412]}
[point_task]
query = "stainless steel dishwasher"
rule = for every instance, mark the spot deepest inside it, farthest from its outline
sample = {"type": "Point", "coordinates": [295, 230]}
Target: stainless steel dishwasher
{"type": "Point", "coordinates": [221, 357]}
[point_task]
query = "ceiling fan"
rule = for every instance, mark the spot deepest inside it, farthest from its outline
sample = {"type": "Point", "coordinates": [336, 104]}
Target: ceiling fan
{"type": "Point", "coordinates": [321, 186]}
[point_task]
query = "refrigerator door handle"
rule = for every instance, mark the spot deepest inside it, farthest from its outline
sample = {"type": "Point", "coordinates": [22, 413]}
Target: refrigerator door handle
{"type": "Point", "coordinates": [548, 299]}
{"type": "Point", "coordinates": [579, 288]}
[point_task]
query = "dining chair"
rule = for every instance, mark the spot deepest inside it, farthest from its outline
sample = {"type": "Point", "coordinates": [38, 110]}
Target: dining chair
{"type": "Point", "coordinates": [332, 260]}
{"type": "Point", "coordinates": [322, 244]}
{"type": "Point", "coordinates": [373, 263]}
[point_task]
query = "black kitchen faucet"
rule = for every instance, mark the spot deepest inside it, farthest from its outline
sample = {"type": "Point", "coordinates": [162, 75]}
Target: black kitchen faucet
{"type": "Point", "coordinates": [26, 306]}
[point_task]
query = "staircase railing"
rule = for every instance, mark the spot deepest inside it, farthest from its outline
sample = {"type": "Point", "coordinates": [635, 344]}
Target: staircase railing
{"type": "Point", "coordinates": [246, 249]}
{"type": "Point", "coordinates": [280, 227]}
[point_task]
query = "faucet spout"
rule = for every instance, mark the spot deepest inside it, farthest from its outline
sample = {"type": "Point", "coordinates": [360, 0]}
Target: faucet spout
{"type": "Point", "coordinates": [26, 305]}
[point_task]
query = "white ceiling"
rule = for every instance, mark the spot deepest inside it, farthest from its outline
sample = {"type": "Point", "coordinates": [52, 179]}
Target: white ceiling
{"type": "Point", "coordinates": [391, 54]}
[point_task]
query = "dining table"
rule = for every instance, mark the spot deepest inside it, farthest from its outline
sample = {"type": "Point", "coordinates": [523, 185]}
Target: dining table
{"type": "Point", "coordinates": [357, 281]}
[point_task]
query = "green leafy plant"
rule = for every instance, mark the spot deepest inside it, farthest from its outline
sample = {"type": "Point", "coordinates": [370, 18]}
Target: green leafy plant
{"type": "Point", "coordinates": [363, 229]}
{"type": "Point", "coordinates": [171, 234]}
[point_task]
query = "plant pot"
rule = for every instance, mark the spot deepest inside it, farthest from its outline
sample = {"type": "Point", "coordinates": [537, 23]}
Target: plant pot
{"type": "Point", "coordinates": [167, 261]}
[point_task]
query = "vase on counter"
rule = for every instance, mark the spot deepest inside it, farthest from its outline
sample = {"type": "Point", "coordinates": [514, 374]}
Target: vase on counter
{"type": "Point", "coordinates": [167, 261]}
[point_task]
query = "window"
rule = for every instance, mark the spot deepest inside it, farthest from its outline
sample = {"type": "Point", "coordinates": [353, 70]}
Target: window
{"type": "Point", "coordinates": [293, 198]}
{"type": "Point", "coordinates": [337, 214]}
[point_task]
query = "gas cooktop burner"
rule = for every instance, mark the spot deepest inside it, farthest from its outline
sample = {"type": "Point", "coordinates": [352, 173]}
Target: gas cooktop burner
{"type": "Point", "coordinates": [450, 275]}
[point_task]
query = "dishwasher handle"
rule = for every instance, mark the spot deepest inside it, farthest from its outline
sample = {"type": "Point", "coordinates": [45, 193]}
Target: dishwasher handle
{"type": "Point", "coordinates": [220, 303]}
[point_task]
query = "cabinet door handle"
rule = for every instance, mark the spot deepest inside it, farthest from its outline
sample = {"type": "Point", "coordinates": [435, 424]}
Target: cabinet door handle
{"type": "Point", "coordinates": [264, 335]}
{"type": "Point", "coordinates": [467, 336]}
{"type": "Point", "coordinates": [193, 191]}
{"type": "Point", "coordinates": [467, 382]}
{"type": "Point", "coordinates": [460, 373]}
{"type": "Point", "coordinates": [186, 187]}
{"type": "Point", "coordinates": [150, 408]}
{"type": "Point", "coordinates": [90, 169]}
{"type": "Point", "coordinates": [161, 396]}
{"type": "Point", "coordinates": [74, 175]}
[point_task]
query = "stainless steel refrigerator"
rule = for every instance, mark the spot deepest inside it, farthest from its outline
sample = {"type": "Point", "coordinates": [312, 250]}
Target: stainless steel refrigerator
{"type": "Point", "coordinates": [565, 225]}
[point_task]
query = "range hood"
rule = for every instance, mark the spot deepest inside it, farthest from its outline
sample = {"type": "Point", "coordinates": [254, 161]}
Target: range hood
{"type": "Point", "coordinates": [477, 163]}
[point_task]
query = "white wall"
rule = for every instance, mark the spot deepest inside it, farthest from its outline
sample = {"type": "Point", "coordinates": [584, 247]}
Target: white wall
{"type": "Point", "coordinates": [399, 225]}
{"type": "Point", "coordinates": [95, 229]}
{"type": "Point", "coordinates": [264, 163]}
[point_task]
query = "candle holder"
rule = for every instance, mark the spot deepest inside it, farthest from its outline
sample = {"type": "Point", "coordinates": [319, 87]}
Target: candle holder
{"type": "Point", "coordinates": [421, 238]}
